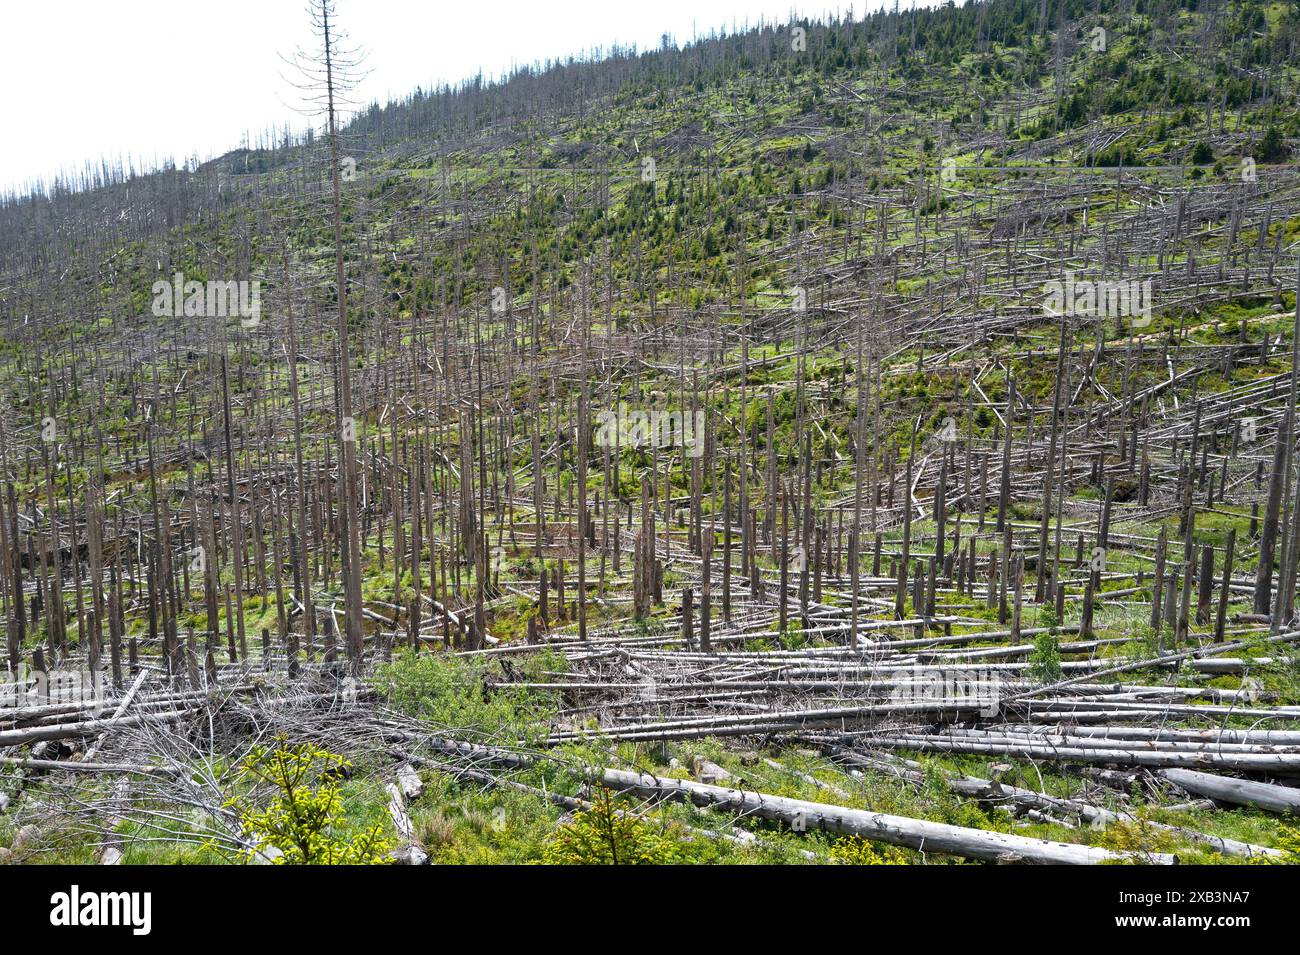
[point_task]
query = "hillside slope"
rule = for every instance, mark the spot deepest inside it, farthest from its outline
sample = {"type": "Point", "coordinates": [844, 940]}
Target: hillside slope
{"type": "Point", "coordinates": [865, 411]}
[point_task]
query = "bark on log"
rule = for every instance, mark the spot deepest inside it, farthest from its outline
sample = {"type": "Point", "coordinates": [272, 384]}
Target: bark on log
{"type": "Point", "coordinates": [1241, 792]}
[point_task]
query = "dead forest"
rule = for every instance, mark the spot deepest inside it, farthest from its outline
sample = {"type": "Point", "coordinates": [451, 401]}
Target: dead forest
{"type": "Point", "coordinates": [844, 441]}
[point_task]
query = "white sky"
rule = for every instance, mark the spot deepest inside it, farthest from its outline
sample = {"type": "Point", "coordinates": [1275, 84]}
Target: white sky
{"type": "Point", "coordinates": [152, 79]}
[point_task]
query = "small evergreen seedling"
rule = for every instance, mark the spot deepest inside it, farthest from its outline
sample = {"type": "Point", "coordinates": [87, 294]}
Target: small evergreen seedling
{"type": "Point", "coordinates": [1045, 658]}
{"type": "Point", "coordinates": [304, 818]}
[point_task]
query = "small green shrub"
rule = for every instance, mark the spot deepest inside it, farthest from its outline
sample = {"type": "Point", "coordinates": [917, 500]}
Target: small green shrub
{"type": "Point", "coordinates": [452, 691]}
{"type": "Point", "coordinates": [1045, 659]}
{"type": "Point", "coordinates": [1288, 840]}
{"type": "Point", "coordinates": [603, 835]}
{"type": "Point", "coordinates": [304, 819]}
{"type": "Point", "coordinates": [1138, 835]}
{"type": "Point", "coordinates": [855, 850]}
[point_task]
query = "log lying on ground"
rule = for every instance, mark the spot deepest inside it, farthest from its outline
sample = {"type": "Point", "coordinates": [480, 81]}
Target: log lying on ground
{"type": "Point", "coordinates": [118, 713]}
{"type": "Point", "coordinates": [1029, 748]}
{"type": "Point", "coordinates": [1230, 664]}
{"type": "Point", "coordinates": [741, 837]}
{"type": "Point", "coordinates": [409, 781]}
{"type": "Point", "coordinates": [917, 834]}
{"type": "Point", "coordinates": [85, 727]}
{"type": "Point", "coordinates": [1213, 735]}
{"type": "Point", "coordinates": [993, 791]}
{"type": "Point", "coordinates": [751, 723]}
{"type": "Point", "coordinates": [407, 852]}
{"type": "Point", "coordinates": [1167, 659]}
{"type": "Point", "coordinates": [1241, 792]}
{"type": "Point", "coordinates": [81, 766]}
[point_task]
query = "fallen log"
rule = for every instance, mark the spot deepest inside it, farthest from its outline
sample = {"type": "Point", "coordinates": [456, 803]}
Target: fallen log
{"type": "Point", "coordinates": [995, 791]}
{"type": "Point", "coordinates": [1241, 792]}
{"type": "Point", "coordinates": [748, 724]}
{"type": "Point", "coordinates": [118, 713]}
{"type": "Point", "coordinates": [1247, 762]}
{"type": "Point", "coordinates": [919, 834]}
{"type": "Point", "coordinates": [407, 852]}
{"type": "Point", "coordinates": [80, 766]}
{"type": "Point", "coordinates": [84, 728]}
{"type": "Point", "coordinates": [741, 837]}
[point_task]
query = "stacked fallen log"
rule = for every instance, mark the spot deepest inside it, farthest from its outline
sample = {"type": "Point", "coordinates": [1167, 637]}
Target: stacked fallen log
{"type": "Point", "coordinates": [1038, 805]}
{"type": "Point", "coordinates": [920, 834]}
{"type": "Point", "coordinates": [797, 814]}
{"type": "Point", "coordinates": [1062, 748]}
{"type": "Point", "coordinates": [861, 703]}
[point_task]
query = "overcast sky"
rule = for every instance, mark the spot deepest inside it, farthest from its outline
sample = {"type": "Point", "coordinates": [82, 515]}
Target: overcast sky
{"type": "Point", "coordinates": [153, 79]}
